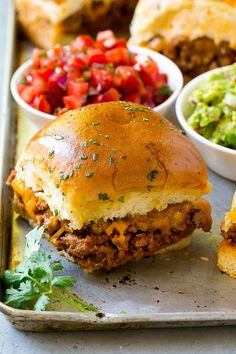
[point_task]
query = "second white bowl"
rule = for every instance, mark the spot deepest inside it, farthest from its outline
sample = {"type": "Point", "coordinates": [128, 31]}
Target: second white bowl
{"type": "Point", "coordinates": [220, 159]}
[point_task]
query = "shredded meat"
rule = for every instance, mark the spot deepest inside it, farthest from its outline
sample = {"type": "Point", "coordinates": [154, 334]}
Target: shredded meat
{"type": "Point", "coordinates": [108, 244]}
{"type": "Point", "coordinates": [229, 235]}
{"type": "Point", "coordinates": [197, 56]}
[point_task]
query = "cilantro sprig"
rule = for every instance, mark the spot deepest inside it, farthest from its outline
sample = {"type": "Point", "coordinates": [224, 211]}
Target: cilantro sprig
{"type": "Point", "coordinates": [35, 281]}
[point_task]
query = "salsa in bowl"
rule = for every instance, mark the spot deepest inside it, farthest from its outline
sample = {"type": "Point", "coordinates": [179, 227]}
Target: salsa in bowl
{"type": "Point", "coordinates": [94, 71]}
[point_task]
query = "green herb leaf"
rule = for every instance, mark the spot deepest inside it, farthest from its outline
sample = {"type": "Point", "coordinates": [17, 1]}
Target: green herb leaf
{"type": "Point", "coordinates": [42, 303]}
{"type": "Point", "coordinates": [94, 141]}
{"type": "Point", "coordinates": [33, 241]}
{"type": "Point", "coordinates": [89, 174]}
{"type": "Point", "coordinates": [103, 196]}
{"type": "Point", "coordinates": [84, 157]}
{"type": "Point", "coordinates": [122, 199]}
{"type": "Point", "coordinates": [63, 281]}
{"type": "Point", "coordinates": [32, 284]}
{"type": "Point", "coordinates": [152, 175]}
{"type": "Point", "coordinates": [57, 137]}
{"type": "Point", "coordinates": [83, 143]}
{"type": "Point", "coordinates": [78, 165]}
{"type": "Point", "coordinates": [128, 107]}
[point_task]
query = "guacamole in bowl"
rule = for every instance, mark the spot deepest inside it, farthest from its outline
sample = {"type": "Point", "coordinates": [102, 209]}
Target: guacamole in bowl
{"type": "Point", "coordinates": [213, 105]}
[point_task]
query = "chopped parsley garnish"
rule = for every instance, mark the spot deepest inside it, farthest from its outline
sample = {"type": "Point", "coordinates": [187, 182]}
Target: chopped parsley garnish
{"type": "Point", "coordinates": [152, 175]}
{"type": "Point", "coordinates": [110, 160]}
{"type": "Point", "coordinates": [57, 137]}
{"type": "Point", "coordinates": [94, 141]}
{"type": "Point", "coordinates": [146, 119]}
{"type": "Point", "coordinates": [94, 157]}
{"type": "Point", "coordinates": [110, 67]}
{"type": "Point", "coordinates": [95, 123]}
{"type": "Point", "coordinates": [23, 81]}
{"type": "Point", "coordinates": [49, 169]}
{"type": "Point", "coordinates": [83, 143]}
{"type": "Point", "coordinates": [161, 121]}
{"type": "Point", "coordinates": [51, 153]}
{"type": "Point", "coordinates": [89, 174]}
{"type": "Point", "coordinates": [136, 108]}
{"type": "Point", "coordinates": [78, 165]}
{"type": "Point", "coordinates": [84, 157]}
{"type": "Point", "coordinates": [103, 196]}
{"type": "Point", "coordinates": [164, 90]}
{"type": "Point", "coordinates": [64, 177]}
{"type": "Point", "coordinates": [122, 199]}
{"type": "Point", "coordinates": [56, 212]}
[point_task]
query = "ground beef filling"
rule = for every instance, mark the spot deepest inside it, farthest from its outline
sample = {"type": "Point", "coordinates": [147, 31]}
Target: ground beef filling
{"type": "Point", "coordinates": [108, 244]}
{"type": "Point", "coordinates": [197, 56]}
{"type": "Point", "coordinates": [229, 235]}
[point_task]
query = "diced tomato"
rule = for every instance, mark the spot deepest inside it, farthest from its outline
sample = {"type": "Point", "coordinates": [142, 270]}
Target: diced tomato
{"type": "Point", "coordinates": [77, 88]}
{"type": "Point", "coordinates": [27, 94]}
{"type": "Point", "coordinates": [101, 78]}
{"type": "Point", "coordinates": [73, 102]}
{"type": "Point", "coordinates": [133, 97]}
{"type": "Point", "coordinates": [41, 104]}
{"type": "Point", "coordinates": [57, 51]}
{"type": "Point", "coordinates": [96, 56]}
{"type": "Point", "coordinates": [37, 56]}
{"type": "Point", "coordinates": [39, 84]}
{"type": "Point", "coordinates": [82, 43]}
{"type": "Point", "coordinates": [130, 80]}
{"type": "Point", "coordinates": [117, 56]}
{"type": "Point", "coordinates": [111, 95]}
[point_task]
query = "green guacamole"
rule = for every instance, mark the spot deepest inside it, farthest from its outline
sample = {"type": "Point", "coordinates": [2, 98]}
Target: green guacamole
{"type": "Point", "coordinates": [214, 108]}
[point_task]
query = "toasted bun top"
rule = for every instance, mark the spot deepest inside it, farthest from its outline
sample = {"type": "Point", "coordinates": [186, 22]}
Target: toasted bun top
{"type": "Point", "coordinates": [169, 19]}
{"type": "Point", "coordinates": [109, 160]}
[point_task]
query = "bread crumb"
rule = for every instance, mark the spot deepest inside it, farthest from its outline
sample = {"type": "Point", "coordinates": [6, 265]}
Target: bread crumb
{"type": "Point", "coordinates": [205, 259]}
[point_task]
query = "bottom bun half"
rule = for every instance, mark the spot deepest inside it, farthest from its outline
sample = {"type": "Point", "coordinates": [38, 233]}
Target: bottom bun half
{"type": "Point", "coordinates": [227, 258]}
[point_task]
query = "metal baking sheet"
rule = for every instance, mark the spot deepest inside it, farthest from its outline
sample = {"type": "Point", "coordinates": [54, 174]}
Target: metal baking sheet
{"type": "Point", "coordinates": [181, 288]}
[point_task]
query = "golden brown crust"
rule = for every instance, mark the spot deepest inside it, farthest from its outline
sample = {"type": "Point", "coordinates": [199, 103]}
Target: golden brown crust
{"type": "Point", "coordinates": [169, 19]}
{"type": "Point", "coordinates": [128, 143]}
{"type": "Point", "coordinates": [227, 258]}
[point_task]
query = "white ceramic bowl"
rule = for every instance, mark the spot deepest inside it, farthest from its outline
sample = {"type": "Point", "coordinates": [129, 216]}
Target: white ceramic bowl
{"type": "Point", "coordinates": [175, 81]}
{"type": "Point", "coordinates": [220, 159]}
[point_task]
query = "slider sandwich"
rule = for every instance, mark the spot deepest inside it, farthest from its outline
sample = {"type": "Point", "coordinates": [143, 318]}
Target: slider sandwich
{"type": "Point", "coordinates": [48, 22]}
{"type": "Point", "coordinates": [112, 183]}
{"type": "Point", "coordinates": [198, 35]}
{"type": "Point", "coordinates": [227, 250]}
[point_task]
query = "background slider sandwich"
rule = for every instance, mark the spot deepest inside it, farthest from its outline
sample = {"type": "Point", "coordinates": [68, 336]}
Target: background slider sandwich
{"type": "Point", "coordinates": [112, 183]}
{"type": "Point", "coordinates": [198, 35]}
{"type": "Point", "coordinates": [227, 249]}
{"type": "Point", "coordinates": [48, 22]}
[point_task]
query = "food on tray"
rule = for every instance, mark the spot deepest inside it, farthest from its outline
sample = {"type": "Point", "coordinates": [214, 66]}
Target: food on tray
{"type": "Point", "coordinates": [197, 35]}
{"type": "Point", "coordinates": [214, 104]}
{"type": "Point", "coordinates": [48, 22]}
{"type": "Point", "coordinates": [90, 71]}
{"type": "Point", "coordinates": [227, 249]}
{"type": "Point", "coordinates": [112, 182]}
